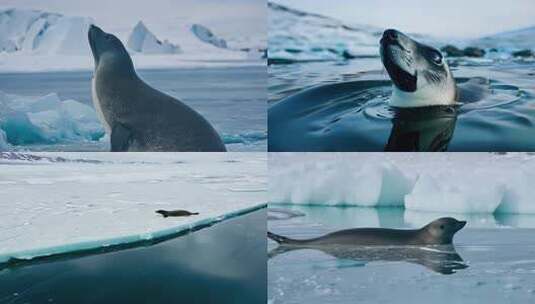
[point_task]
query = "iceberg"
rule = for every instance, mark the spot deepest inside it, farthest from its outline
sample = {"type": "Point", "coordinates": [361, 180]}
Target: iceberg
{"type": "Point", "coordinates": [144, 41]}
{"type": "Point", "coordinates": [60, 203]}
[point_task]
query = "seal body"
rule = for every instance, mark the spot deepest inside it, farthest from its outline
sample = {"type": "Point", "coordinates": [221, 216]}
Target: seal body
{"type": "Point", "coordinates": [166, 213]}
{"type": "Point", "coordinates": [438, 232]}
{"type": "Point", "coordinates": [136, 116]}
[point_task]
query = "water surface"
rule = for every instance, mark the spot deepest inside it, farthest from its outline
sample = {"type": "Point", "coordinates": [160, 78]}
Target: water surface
{"type": "Point", "coordinates": [343, 106]}
{"type": "Point", "coordinates": [224, 263]}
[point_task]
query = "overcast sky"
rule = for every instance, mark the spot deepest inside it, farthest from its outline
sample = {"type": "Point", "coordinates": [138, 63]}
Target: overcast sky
{"type": "Point", "coordinates": [226, 15]}
{"type": "Point", "coordinates": [444, 18]}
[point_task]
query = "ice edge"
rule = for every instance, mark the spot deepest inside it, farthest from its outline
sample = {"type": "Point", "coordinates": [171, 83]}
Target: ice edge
{"type": "Point", "coordinates": [26, 255]}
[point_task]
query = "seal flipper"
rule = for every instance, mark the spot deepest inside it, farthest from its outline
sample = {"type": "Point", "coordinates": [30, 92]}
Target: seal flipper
{"type": "Point", "coordinates": [120, 138]}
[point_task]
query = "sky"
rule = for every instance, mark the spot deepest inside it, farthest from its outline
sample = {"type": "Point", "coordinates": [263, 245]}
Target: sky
{"type": "Point", "coordinates": [246, 16]}
{"type": "Point", "coordinates": [441, 18]}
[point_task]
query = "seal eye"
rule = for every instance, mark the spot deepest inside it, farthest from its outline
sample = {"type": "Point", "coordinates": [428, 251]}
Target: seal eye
{"type": "Point", "coordinates": [442, 227]}
{"type": "Point", "coordinates": [108, 37]}
{"type": "Point", "coordinates": [436, 57]}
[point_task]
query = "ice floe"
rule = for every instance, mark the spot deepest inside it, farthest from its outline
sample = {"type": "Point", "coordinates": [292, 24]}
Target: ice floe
{"type": "Point", "coordinates": [46, 119]}
{"type": "Point", "coordinates": [55, 204]}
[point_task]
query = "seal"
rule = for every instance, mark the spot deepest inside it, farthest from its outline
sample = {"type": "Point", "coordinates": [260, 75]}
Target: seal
{"type": "Point", "coordinates": [438, 232]}
{"type": "Point", "coordinates": [136, 116]}
{"type": "Point", "coordinates": [421, 76]}
{"type": "Point", "coordinates": [166, 213]}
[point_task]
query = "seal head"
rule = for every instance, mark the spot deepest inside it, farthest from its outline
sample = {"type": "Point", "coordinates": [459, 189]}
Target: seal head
{"type": "Point", "coordinates": [441, 231]}
{"type": "Point", "coordinates": [109, 50]}
{"type": "Point", "coordinates": [420, 75]}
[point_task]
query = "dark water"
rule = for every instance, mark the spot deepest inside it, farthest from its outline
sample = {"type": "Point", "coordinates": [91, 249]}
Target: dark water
{"type": "Point", "coordinates": [233, 99]}
{"type": "Point", "coordinates": [342, 106]}
{"type": "Point", "coordinates": [224, 263]}
{"type": "Point", "coordinates": [487, 264]}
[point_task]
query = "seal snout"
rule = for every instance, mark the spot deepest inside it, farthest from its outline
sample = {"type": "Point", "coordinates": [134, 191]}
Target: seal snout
{"type": "Point", "coordinates": [390, 36]}
{"type": "Point", "coordinates": [460, 225]}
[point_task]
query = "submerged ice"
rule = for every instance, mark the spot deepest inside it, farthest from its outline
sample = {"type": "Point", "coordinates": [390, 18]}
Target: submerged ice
{"type": "Point", "coordinates": [459, 183]}
{"type": "Point", "coordinates": [44, 120]}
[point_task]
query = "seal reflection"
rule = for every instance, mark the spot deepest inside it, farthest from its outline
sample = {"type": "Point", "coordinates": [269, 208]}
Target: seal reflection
{"type": "Point", "coordinates": [423, 129]}
{"type": "Point", "coordinates": [443, 259]}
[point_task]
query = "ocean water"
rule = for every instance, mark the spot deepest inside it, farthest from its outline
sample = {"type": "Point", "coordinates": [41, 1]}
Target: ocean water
{"type": "Point", "coordinates": [223, 263]}
{"type": "Point", "coordinates": [328, 91]}
{"type": "Point", "coordinates": [233, 99]}
{"type": "Point", "coordinates": [342, 106]}
{"type": "Point", "coordinates": [491, 260]}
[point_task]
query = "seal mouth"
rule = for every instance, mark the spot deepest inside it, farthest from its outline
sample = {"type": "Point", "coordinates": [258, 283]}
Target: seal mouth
{"type": "Point", "coordinates": [460, 225]}
{"type": "Point", "coordinates": [402, 79]}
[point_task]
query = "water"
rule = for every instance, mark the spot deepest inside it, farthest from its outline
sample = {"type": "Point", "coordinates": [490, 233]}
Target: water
{"type": "Point", "coordinates": [232, 99]}
{"type": "Point", "coordinates": [342, 106]}
{"type": "Point", "coordinates": [488, 263]}
{"type": "Point", "coordinates": [224, 263]}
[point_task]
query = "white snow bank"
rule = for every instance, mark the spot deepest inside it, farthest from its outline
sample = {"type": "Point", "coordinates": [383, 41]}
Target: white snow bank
{"type": "Point", "coordinates": [339, 182]}
{"type": "Point", "coordinates": [454, 192]}
{"type": "Point", "coordinates": [206, 35]}
{"type": "Point", "coordinates": [142, 40]}
{"type": "Point", "coordinates": [57, 203]}
{"type": "Point", "coordinates": [451, 182]}
{"type": "Point", "coordinates": [46, 119]}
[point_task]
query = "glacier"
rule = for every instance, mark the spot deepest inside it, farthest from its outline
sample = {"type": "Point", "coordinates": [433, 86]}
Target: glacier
{"type": "Point", "coordinates": [33, 40]}
{"type": "Point", "coordinates": [469, 183]}
{"type": "Point", "coordinates": [299, 36]}
{"type": "Point", "coordinates": [59, 203]}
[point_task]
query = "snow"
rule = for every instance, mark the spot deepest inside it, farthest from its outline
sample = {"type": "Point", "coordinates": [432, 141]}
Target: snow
{"type": "Point", "coordinates": [33, 40]}
{"type": "Point", "coordinates": [46, 119]}
{"type": "Point", "coordinates": [142, 40]}
{"type": "Point", "coordinates": [468, 183]}
{"type": "Point", "coordinates": [58, 203]}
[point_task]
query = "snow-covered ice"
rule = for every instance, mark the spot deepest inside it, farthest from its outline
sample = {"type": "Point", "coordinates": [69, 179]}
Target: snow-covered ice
{"type": "Point", "coordinates": [57, 203]}
{"type": "Point", "coordinates": [452, 182]}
